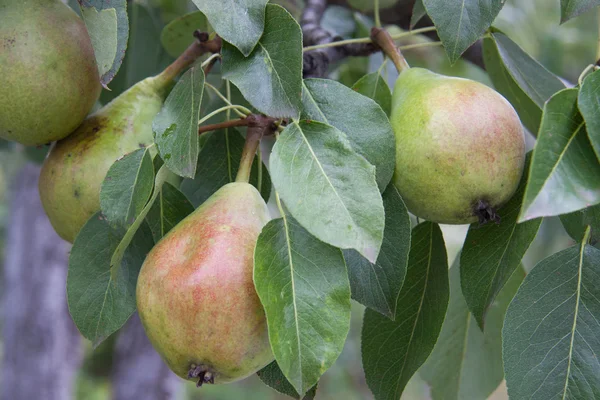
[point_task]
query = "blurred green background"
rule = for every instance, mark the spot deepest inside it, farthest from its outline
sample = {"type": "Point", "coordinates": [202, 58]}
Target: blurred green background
{"type": "Point", "coordinates": [564, 49]}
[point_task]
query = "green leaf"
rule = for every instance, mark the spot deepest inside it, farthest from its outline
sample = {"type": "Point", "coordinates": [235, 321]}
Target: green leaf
{"type": "Point", "coordinates": [377, 285]}
{"type": "Point", "coordinates": [460, 23]}
{"type": "Point", "coordinates": [303, 286]}
{"type": "Point", "coordinates": [272, 376]}
{"type": "Point", "coordinates": [573, 8]}
{"type": "Point", "coordinates": [218, 164]}
{"type": "Point", "coordinates": [117, 257]}
{"type": "Point", "coordinates": [550, 335]}
{"type": "Point", "coordinates": [176, 125]}
{"type": "Point", "coordinates": [169, 208]}
{"type": "Point", "coordinates": [466, 363]}
{"type": "Point", "coordinates": [145, 56]}
{"type": "Point", "coordinates": [108, 26]}
{"type": "Point", "coordinates": [520, 78]}
{"type": "Point", "coordinates": [360, 118]}
{"type": "Point", "coordinates": [418, 13]}
{"type": "Point", "coordinates": [239, 22]}
{"type": "Point", "coordinates": [575, 224]}
{"type": "Point", "coordinates": [127, 187]}
{"type": "Point", "coordinates": [392, 351]}
{"type": "Point", "coordinates": [375, 87]}
{"type": "Point", "coordinates": [312, 165]}
{"type": "Point", "coordinates": [565, 174]}
{"type": "Point", "coordinates": [270, 77]}
{"type": "Point", "coordinates": [101, 299]}
{"type": "Point", "coordinates": [339, 21]}
{"type": "Point", "coordinates": [589, 106]}
{"type": "Point", "coordinates": [493, 252]}
{"type": "Point", "coordinates": [178, 34]}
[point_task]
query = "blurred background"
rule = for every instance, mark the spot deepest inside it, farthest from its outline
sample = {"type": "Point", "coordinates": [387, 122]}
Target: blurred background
{"type": "Point", "coordinates": [42, 352]}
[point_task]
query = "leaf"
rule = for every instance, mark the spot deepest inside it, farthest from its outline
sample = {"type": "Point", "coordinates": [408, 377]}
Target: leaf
{"type": "Point", "coordinates": [550, 335]}
{"type": "Point", "coordinates": [178, 34]}
{"type": "Point", "coordinates": [360, 118]}
{"type": "Point", "coordinates": [270, 77]}
{"type": "Point", "coordinates": [589, 106]}
{"type": "Point", "coordinates": [418, 13]}
{"type": "Point", "coordinates": [520, 78]}
{"type": "Point", "coordinates": [303, 286]}
{"type": "Point", "coordinates": [176, 125]}
{"type": "Point", "coordinates": [117, 257]}
{"type": "Point", "coordinates": [565, 174]}
{"type": "Point", "coordinates": [392, 351]}
{"type": "Point", "coordinates": [466, 363]}
{"type": "Point", "coordinates": [108, 26]}
{"type": "Point", "coordinates": [573, 8]}
{"type": "Point", "coordinates": [377, 285]}
{"type": "Point", "coordinates": [218, 164]}
{"type": "Point", "coordinates": [101, 299]}
{"type": "Point", "coordinates": [127, 187]}
{"type": "Point", "coordinates": [493, 252]}
{"type": "Point", "coordinates": [272, 376]}
{"type": "Point", "coordinates": [145, 56]}
{"type": "Point", "coordinates": [169, 208]}
{"type": "Point", "coordinates": [374, 86]}
{"type": "Point", "coordinates": [576, 223]}
{"type": "Point", "coordinates": [312, 165]}
{"type": "Point", "coordinates": [239, 22]}
{"type": "Point", "coordinates": [460, 23]}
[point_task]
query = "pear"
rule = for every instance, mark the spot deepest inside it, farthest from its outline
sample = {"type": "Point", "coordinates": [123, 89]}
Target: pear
{"type": "Point", "coordinates": [195, 292]}
{"type": "Point", "coordinates": [75, 167]}
{"type": "Point", "coordinates": [460, 147]}
{"type": "Point", "coordinates": [48, 72]}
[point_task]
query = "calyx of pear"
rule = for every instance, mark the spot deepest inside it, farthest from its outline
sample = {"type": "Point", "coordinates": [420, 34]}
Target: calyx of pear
{"type": "Point", "coordinates": [75, 167]}
{"type": "Point", "coordinates": [48, 72]}
{"type": "Point", "coordinates": [460, 146]}
{"type": "Point", "coordinates": [195, 292]}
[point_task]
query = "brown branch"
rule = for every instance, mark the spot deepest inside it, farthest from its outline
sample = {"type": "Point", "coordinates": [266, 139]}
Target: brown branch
{"type": "Point", "coordinates": [268, 124]}
{"type": "Point", "coordinates": [223, 125]}
{"type": "Point", "coordinates": [316, 62]}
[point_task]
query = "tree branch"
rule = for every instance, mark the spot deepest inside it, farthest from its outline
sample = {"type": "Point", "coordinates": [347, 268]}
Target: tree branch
{"type": "Point", "coordinates": [316, 62]}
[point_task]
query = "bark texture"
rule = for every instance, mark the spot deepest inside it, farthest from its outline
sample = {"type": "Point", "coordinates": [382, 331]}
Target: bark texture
{"type": "Point", "coordinates": [138, 370]}
{"type": "Point", "coordinates": [41, 346]}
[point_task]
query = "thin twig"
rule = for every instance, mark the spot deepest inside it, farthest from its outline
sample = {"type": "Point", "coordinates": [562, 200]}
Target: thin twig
{"type": "Point", "coordinates": [223, 125]}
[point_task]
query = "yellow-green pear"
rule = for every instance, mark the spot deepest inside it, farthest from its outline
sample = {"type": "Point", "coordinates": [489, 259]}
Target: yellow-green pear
{"type": "Point", "coordinates": [460, 147]}
{"type": "Point", "coordinates": [48, 74]}
{"type": "Point", "coordinates": [76, 166]}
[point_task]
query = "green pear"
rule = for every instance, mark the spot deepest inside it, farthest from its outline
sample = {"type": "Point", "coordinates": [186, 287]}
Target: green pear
{"type": "Point", "coordinates": [48, 72]}
{"type": "Point", "coordinates": [75, 167]}
{"type": "Point", "coordinates": [460, 147]}
{"type": "Point", "coordinates": [195, 292]}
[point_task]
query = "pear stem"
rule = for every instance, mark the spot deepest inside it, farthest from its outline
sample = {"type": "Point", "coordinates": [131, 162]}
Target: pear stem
{"type": "Point", "coordinates": [194, 51]}
{"type": "Point", "coordinates": [382, 38]}
{"type": "Point", "coordinates": [258, 126]}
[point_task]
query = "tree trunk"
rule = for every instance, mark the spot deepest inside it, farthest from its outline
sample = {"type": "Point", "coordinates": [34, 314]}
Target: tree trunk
{"type": "Point", "coordinates": [41, 345]}
{"type": "Point", "coordinates": [138, 371]}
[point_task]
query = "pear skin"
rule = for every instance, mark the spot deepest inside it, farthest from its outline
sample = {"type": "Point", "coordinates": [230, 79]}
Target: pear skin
{"type": "Point", "coordinates": [48, 73]}
{"type": "Point", "coordinates": [75, 167]}
{"type": "Point", "coordinates": [459, 146]}
{"type": "Point", "coordinates": [196, 295]}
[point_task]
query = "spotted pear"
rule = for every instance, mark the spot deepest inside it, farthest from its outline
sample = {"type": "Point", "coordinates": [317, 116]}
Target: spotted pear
{"type": "Point", "coordinates": [195, 291]}
{"type": "Point", "coordinates": [48, 72]}
{"type": "Point", "coordinates": [75, 167]}
{"type": "Point", "coordinates": [460, 147]}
